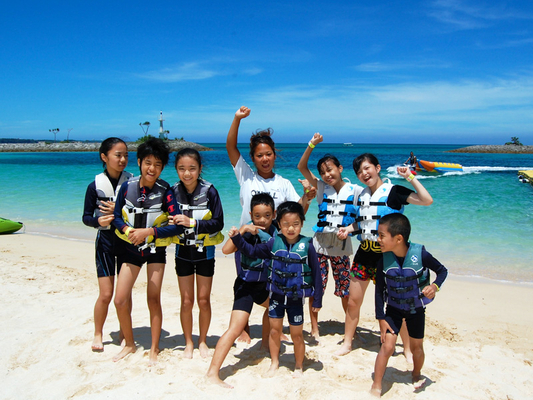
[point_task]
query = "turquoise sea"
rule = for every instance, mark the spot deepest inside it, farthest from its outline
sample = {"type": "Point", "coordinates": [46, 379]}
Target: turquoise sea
{"type": "Point", "coordinates": [480, 224]}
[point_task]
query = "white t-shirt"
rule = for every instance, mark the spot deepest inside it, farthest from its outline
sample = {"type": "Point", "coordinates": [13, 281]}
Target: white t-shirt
{"type": "Point", "coordinates": [251, 183]}
{"type": "Point", "coordinates": [328, 243]}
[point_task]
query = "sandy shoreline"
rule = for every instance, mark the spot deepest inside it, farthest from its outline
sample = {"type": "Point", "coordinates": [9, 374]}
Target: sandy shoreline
{"type": "Point", "coordinates": [477, 339]}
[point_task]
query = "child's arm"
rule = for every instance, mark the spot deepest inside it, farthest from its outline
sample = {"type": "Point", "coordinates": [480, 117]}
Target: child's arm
{"type": "Point", "coordinates": [229, 247]}
{"type": "Point", "coordinates": [442, 273]}
{"type": "Point", "coordinates": [379, 302]}
{"type": "Point", "coordinates": [231, 141]}
{"type": "Point", "coordinates": [89, 205]}
{"type": "Point", "coordinates": [260, 250]}
{"type": "Point", "coordinates": [421, 197]}
{"type": "Point", "coordinates": [304, 160]}
{"type": "Point", "coordinates": [344, 231]}
{"type": "Point", "coordinates": [312, 259]}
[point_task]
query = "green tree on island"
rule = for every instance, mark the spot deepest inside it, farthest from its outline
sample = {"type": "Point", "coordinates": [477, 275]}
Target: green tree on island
{"type": "Point", "coordinates": [514, 141]}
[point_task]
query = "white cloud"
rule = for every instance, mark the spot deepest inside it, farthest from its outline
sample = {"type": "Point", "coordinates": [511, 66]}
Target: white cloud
{"type": "Point", "coordinates": [184, 72]}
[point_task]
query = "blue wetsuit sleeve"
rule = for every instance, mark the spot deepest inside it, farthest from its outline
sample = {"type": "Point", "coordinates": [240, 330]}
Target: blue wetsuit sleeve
{"type": "Point", "coordinates": [379, 295]}
{"type": "Point", "coordinates": [118, 222]}
{"type": "Point", "coordinates": [433, 264]}
{"type": "Point", "coordinates": [216, 223]}
{"type": "Point", "coordinates": [89, 206]}
{"type": "Point", "coordinates": [260, 250]}
{"type": "Point", "coordinates": [317, 276]}
{"type": "Point", "coordinates": [171, 206]}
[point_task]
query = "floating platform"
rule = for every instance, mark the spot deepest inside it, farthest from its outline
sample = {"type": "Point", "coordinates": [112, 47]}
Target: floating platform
{"type": "Point", "coordinates": [526, 176]}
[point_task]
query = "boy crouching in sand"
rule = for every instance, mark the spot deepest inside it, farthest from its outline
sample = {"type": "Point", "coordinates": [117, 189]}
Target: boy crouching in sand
{"type": "Point", "coordinates": [294, 274]}
{"type": "Point", "coordinates": [250, 284]}
{"type": "Point", "coordinates": [402, 281]}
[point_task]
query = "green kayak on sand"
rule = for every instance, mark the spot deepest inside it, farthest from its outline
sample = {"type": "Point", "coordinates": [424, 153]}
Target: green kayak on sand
{"type": "Point", "coordinates": [8, 226]}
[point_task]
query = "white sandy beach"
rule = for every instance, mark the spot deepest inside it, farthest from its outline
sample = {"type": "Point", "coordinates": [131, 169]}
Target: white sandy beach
{"type": "Point", "coordinates": [478, 339]}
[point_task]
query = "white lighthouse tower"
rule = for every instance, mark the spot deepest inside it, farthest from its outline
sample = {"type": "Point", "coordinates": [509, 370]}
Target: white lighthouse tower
{"type": "Point", "coordinates": [161, 130]}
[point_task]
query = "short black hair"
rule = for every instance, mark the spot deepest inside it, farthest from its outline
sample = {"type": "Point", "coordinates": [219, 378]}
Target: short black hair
{"type": "Point", "coordinates": [397, 224]}
{"type": "Point", "coordinates": [262, 198]}
{"type": "Point", "coordinates": [154, 147]}
{"type": "Point", "coordinates": [327, 157]}
{"type": "Point", "coordinates": [371, 158]}
{"type": "Point", "coordinates": [290, 207]}
{"type": "Point", "coordinates": [108, 144]}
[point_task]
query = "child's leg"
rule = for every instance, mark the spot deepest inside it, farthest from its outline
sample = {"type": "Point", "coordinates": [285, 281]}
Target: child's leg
{"type": "Point", "coordinates": [323, 262]}
{"type": "Point", "coordinates": [238, 321]}
{"type": "Point", "coordinates": [385, 352]}
{"type": "Point", "coordinates": [299, 348]}
{"type": "Point", "coordinates": [418, 362]}
{"type": "Point", "coordinates": [155, 272]}
{"type": "Point", "coordinates": [186, 286]}
{"type": "Point", "coordinates": [203, 286]}
{"type": "Point", "coordinates": [274, 343]}
{"type": "Point", "coordinates": [126, 280]}
{"type": "Point", "coordinates": [105, 295]}
{"type": "Point", "coordinates": [265, 329]}
{"type": "Point", "coordinates": [355, 300]}
{"type": "Point", "coordinates": [404, 335]}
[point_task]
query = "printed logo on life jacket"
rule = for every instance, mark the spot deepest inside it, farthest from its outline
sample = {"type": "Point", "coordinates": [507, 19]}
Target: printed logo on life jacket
{"type": "Point", "coordinates": [414, 259]}
{"type": "Point", "coordinates": [155, 195]}
{"type": "Point", "coordinates": [301, 246]}
{"type": "Point", "coordinates": [199, 196]}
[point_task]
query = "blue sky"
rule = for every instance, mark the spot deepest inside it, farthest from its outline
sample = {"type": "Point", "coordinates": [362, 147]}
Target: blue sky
{"type": "Point", "coordinates": [443, 71]}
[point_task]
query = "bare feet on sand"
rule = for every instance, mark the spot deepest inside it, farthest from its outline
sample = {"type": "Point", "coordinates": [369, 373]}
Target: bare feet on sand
{"type": "Point", "coordinates": [298, 373]}
{"type": "Point", "coordinates": [419, 382]}
{"type": "Point", "coordinates": [97, 345]}
{"type": "Point", "coordinates": [153, 357]}
{"type": "Point", "coordinates": [204, 350]}
{"type": "Point", "coordinates": [124, 352]}
{"type": "Point", "coordinates": [244, 338]}
{"type": "Point", "coordinates": [376, 392]}
{"type": "Point", "coordinates": [344, 349]}
{"type": "Point", "coordinates": [187, 353]}
{"type": "Point", "coordinates": [217, 381]}
{"type": "Point", "coordinates": [271, 371]}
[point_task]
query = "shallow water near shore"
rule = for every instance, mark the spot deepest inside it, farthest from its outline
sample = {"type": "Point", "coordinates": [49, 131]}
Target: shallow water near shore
{"type": "Point", "coordinates": [480, 224]}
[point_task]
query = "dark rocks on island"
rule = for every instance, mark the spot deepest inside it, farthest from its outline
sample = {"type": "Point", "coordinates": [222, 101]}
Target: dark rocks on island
{"type": "Point", "coordinates": [174, 145]}
{"type": "Point", "coordinates": [508, 148]}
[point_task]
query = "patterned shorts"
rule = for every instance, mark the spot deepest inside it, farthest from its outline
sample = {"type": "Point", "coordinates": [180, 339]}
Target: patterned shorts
{"type": "Point", "coordinates": [340, 267]}
{"type": "Point", "coordinates": [365, 261]}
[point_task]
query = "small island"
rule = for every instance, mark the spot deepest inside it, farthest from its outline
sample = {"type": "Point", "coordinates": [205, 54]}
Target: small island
{"type": "Point", "coordinates": [504, 149]}
{"type": "Point", "coordinates": [43, 146]}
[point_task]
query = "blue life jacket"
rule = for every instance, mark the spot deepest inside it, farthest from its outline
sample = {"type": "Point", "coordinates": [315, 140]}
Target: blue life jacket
{"type": "Point", "coordinates": [255, 269]}
{"type": "Point", "coordinates": [290, 274]}
{"type": "Point", "coordinates": [405, 282]}
{"type": "Point", "coordinates": [336, 209]}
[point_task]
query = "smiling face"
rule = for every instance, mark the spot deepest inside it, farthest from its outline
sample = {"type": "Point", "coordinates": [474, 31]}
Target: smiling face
{"type": "Point", "coordinates": [116, 159]}
{"type": "Point", "coordinates": [151, 168]}
{"type": "Point", "coordinates": [291, 225]}
{"type": "Point", "coordinates": [368, 174]}
{"type": "Point", "coordinates": [331, 174]}
{"type": "Point", "coordinates": [386, 241]}
{"type": "Point", "coordinates": [263, 159]}
{"type": "Point", "coordinates": [188, 172]}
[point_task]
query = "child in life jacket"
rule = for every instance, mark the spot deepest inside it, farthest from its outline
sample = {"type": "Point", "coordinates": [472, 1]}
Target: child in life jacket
{"type": "Point", "coordinates": [251, 283]}
{"type": "Point", "coordinates": [403, 284]}
{"type": "Point", "coordinates": [336, 200]}
{"type": "Point", "coordinates": [141, 220]}
{"type": "Point", "coordinates": [294, 274]}
{"type": "Point", "coordinates": [202, 218]}
{"type": "Point", "coordinates": [98, 213]}
{"type": "Point", "coordinates": [379, 197]}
